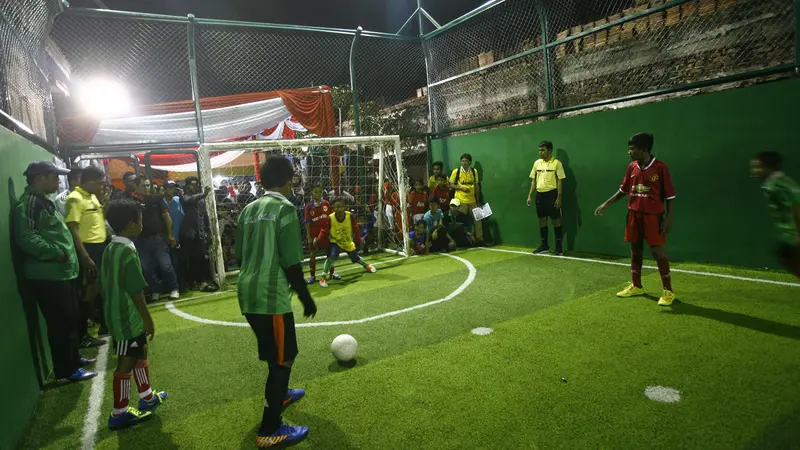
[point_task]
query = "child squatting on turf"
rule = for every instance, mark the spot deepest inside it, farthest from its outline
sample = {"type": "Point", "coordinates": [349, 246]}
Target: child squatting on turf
{"type": "Point", "coordinates": [269, 245]}
{"type": "Point", "coordinates": [783, 198]}
{"type": "Point", "coordinates": [648, 185]}
{"type": "Point", "coordinates": [341, 231]}
{"type": "Point", "coordinates": [127, 318]}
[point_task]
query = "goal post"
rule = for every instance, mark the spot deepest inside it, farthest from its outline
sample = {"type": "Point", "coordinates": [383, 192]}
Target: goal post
{"type": "Point", "coordinates": [368, 171]}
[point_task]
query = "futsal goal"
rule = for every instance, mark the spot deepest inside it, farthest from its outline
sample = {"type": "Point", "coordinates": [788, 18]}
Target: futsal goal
{"type": "Point", "coordinates": [367, 171]}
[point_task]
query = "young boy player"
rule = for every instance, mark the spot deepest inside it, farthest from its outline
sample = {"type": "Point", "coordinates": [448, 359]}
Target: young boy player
{"type": "Point", "coordinates": [341, 231]}
{"type": "Point", "coordinates": [648, 185]}
{"type": "Point", "coordinates": [269, 245]}
{"type": "Point", "coordinates": [127, 317]}
{"type": "Point", "coordinates": [316, 215]}
{"type": "Point", "coordinates": [783, 197]}
{"type": "Point", "coordinates": [547, 176]}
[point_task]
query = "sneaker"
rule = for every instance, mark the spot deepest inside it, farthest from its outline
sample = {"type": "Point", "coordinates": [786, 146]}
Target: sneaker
{"type": "Point", "coordinates": [80, 375]}
{"type": "Point", "coordinates": [89, 342]}
{"type": "Point", "coordinates": [102, 331]}
{"type": "Point", "coordinates": [293, 395]}
{"type": "Point", "coordinates": [155, 297]}
{"type": "Point", "coordinates": [336, 276]}
{"type": "Point", "coordinates": [369, 268]}
{"type": "Point", "coordinates": [84, 361]}
{"type": "Point", "coordinates": [630, 291]}
{"type": "Point", "coordinates": [174, 295]}
{"type": "Point", "coordinates": [311, 280]}
{"type": "Point", "coordinates": [541, 249]}
{"type": "Point", "coordinates": [559, 251]}
{"type": "Point", "coordinates": [666, 298]}
{"type": "Point", "coordinates": [323, 283]}
{"type": "Point", "coordinates": [131, 416]}
{"type": "Point", "coordinates": [149, 405]}
{"type": "Point", "coordinates": [285, 435]}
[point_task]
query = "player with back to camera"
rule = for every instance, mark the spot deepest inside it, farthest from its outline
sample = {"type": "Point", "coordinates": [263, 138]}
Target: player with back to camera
{"type": "Point", "coordinates": [783, 199]}
{"type": "Point", "coordinates": [648, 185]}
{"type": "Point", "coordinates": [343, 235]}
{"type": "Point", "coordinates": [269, 246]}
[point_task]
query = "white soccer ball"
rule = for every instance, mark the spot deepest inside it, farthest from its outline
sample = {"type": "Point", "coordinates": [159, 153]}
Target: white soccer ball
{"type": "Point", "coordinates": [344, 347]}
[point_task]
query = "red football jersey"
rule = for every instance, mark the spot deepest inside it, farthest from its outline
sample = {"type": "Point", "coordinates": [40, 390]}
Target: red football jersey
{"type": "Point", "coordinates": [444, 197]}
{"type": "Point", "coordinates": [419, 202]}
{"type": "Point", "coordinates": [317, 214]}
{"type": "Point", "coordinates": [647, 188]}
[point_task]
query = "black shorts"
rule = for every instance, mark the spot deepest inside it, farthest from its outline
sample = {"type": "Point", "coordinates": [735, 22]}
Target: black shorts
{"type": "Point", "coordinates": [134, 348]}
{"type": "Point", "coordinates": [788, 252]}
{"type": "Point", "coordinates": [277, 340]}
{"type": "Point", "coordinates": [95, 252]}
{"type": "Point", "coordinates": [546, 204]}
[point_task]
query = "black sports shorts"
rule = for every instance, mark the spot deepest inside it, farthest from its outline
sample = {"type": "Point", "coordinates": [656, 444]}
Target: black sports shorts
{"type": "Point", "coordinates": [133, 348]}
{"type": "Point", "coordinates": [546, 204]}
{"type": "Point", "coordinates": [277, 340]}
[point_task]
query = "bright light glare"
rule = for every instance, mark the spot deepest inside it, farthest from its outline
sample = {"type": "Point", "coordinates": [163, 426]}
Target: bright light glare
{"type": "Point", "coordinates": [104, 98]}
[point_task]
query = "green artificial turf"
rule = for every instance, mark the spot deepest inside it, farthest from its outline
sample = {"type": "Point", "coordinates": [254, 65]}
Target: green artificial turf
{"type": "Point", "coordinates": [422, 380]}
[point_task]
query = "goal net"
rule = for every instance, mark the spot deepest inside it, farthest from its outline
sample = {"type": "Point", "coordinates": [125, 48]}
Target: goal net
{"type": "Point", "coordinates": [366, 171]}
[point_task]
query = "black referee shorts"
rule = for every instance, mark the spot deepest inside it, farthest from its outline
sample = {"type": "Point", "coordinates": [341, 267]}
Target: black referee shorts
{"type": "Point", "coordinates": [277, 340]}
{"type": "Point", "coordinates": [546, 204]}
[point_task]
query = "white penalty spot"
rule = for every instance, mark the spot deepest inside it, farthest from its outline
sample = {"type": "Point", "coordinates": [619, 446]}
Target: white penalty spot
{"type": "Point", "coordinates": [662, 394]}
{"type": "Point", "coordinates": [482, 331]}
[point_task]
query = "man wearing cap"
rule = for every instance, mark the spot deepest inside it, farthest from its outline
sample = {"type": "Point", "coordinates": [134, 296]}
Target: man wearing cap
{"type": "Point", "coordinates": [50, 267]}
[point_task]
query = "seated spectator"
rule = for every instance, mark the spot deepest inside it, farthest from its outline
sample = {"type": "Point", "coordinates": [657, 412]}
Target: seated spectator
{"type": "Point", "coordinates": [434, 222]}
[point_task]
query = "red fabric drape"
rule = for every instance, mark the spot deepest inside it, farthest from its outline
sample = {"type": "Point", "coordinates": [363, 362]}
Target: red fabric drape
{"type": "Point", "coordinates": [312, 107]}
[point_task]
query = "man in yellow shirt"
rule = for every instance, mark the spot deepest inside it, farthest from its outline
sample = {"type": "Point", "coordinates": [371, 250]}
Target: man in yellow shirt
{"type": "Point", "coordinates": [467, 186]}
{"type": "Point", "coordinates": [547, 176]}
{"type": "Point", "coordinates": [86, 221]}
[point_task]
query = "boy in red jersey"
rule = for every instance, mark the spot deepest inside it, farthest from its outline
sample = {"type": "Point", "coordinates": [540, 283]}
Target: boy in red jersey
{"type": "Point", "coordinates": [316, 215]}
{"type": "Point", "coordinates": [418, 200]}
{"type": "Point", "coordinates": [442, 192]}
{"type": "Point", "coordinates": [648, 185]}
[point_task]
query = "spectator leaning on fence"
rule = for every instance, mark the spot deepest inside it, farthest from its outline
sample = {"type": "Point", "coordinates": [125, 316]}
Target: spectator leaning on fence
{"type": "Point", "coordinates": [50, 267]}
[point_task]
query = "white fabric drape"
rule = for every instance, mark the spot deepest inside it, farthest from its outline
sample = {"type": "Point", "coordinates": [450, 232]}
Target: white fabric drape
{"type": "Point", "coordinates": [216, 161]}
{"type": "Point", "coordinates": [219, 124]}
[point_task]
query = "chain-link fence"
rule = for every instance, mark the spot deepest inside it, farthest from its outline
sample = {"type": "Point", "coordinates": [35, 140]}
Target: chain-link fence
{"type": "Point", "coordinates": [495, 66]}
{"type": "Point", "coordinates": [24, 64]}
{"type": "Point", "coordinates": [516, 59]}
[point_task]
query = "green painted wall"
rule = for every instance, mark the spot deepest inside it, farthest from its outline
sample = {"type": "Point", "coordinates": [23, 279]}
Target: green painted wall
{"type": "Point", "coordinates": [24, 354]}
{"type": "Point", "coordinates": [707, 141]}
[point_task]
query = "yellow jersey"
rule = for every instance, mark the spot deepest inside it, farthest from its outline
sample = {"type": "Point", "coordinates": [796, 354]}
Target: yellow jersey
{"type": "Point", "coordinates": [84, 209]}
{"type": "Point", "coordinates": [547, 173]}
{"type": "Point", "coordinates": [341, 233]}
{"type": "Point", "coordinates": [468, 179]}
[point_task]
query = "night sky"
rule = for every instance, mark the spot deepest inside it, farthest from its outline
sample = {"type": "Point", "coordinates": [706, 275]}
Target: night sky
{"type": "Point", "coordinates": [373, 15]}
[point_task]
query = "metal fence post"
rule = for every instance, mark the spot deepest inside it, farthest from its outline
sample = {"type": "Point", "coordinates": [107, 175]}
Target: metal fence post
{"type": "Point", "coordinates": [353, 86]}
{"type": "Point", "coordinates": [198, 116]}
{"type": "Point", "coordinates": [541, 11]}
{"type": "Point", "coordinates": [797, 35]}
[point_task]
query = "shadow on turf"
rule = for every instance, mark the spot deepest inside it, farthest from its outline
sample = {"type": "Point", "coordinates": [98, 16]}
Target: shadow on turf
{"type": "Point", "coordinates": [736, 319]}
{"type": "Point", "coordinates": [783, 433]}
{"type": "Point", "coordinates": [339, 366]}
{"type": "Point", "coordinates": [148, 434]}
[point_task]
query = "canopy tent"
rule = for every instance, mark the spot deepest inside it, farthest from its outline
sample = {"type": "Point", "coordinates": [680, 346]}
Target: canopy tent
{"type": "Point", "coordinates": [254, 116]}
{"type": "Point", "coordinates": [224, 118]}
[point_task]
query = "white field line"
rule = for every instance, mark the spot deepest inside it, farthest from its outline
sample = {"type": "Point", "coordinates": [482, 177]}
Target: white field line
{"type": "Point", "coordinates": [470, 278]}
{"type": "Point", "coordinates": [96, 395]}
{"type": "Point", "coordinates": [614, 263]}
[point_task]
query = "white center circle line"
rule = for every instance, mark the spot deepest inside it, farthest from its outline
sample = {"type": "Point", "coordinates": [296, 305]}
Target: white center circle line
{"type": "Point", "coordinates": [470, 278]}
